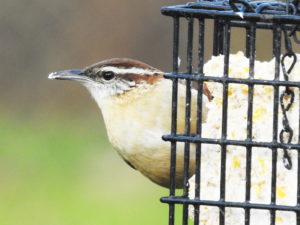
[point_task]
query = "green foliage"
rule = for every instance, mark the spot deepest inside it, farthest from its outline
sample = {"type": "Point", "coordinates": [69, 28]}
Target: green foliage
{"type": "Point", "coordinates": [63, 171]}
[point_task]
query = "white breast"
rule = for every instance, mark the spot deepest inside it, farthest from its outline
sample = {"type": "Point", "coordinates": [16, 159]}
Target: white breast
{"type": "Point", "coordinates": [136, 121]}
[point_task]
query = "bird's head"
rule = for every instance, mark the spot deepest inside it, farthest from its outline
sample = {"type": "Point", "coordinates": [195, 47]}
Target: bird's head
{"type": "Point", "coordinates": [112, 77]}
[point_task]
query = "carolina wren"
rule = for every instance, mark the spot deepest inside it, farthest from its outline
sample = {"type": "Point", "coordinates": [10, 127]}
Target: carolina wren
{"type": "Point", "coordinates": [135, 100]}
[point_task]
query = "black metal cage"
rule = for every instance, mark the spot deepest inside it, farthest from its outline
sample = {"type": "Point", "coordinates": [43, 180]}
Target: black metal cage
{"type": "Point", "coordinates": [282, 19]}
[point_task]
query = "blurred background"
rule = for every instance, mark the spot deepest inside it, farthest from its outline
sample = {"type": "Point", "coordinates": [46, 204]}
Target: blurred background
{"type": "Point", "coordinates": [56, 164]}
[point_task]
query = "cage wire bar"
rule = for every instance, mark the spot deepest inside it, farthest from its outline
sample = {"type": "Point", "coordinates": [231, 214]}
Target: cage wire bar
{"type": "Point", "coordinates": [281, 18]}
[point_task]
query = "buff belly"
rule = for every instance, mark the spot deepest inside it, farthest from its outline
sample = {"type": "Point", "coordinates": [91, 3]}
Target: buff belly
{"type": "Point", "coordinates": [136, 122]}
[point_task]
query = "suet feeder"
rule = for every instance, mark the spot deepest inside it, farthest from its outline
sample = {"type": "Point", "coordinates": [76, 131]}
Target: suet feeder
{"type": "Point", "coordinates": [261, 171]}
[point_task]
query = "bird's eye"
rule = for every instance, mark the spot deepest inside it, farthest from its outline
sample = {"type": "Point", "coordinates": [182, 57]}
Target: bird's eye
{"type": "Point", "coordinates": [108, 75]}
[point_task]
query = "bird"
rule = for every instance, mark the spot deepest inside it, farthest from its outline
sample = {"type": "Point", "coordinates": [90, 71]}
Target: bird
{"type": "Point", "coordinates": [135, 100]}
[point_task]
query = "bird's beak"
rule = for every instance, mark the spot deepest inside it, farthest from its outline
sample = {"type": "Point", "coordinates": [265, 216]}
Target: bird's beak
{"type": "Point", "coordinates": [77, 75]}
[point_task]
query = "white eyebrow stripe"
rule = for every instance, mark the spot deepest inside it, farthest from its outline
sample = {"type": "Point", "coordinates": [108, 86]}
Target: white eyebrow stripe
{"type": "Point", "coordinates": [133, 70]}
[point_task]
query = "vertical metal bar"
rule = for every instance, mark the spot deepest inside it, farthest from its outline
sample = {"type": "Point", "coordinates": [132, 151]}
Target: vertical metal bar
{"type": "Point", "coordinates": [221, 37]}
{"type": "Point", "coordinates": [199, 118]}
{"type": "Point", "coordinates": [276, 54]}
{"type": "Point", "coordinates": [251, 38]}
{"type": "Point", "coordinates": [218, 38]}
{"type": "Point", "coordinates": [174, 119]}
{"type": "Point", "coordinates": [226, 45]}
{"type": "Point", "coordinates": [248, 37]}
{"type": "Point", "coordinates": [188, 118]}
